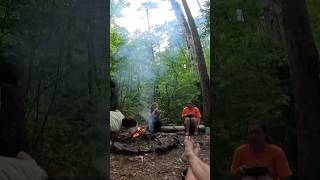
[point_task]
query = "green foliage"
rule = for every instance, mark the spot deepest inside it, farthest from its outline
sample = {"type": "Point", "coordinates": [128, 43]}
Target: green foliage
{"type": "Point", "coordinates": [313, 8]}
{"type": "Point", "coordinates": [178, 85]}
{"type": "Point", "coordinates": [206, 14]}
{"type": "Point", "coordinates": [141, 78]}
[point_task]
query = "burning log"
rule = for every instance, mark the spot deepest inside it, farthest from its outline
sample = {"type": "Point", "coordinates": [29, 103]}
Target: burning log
{"type": "Point", "coordinates": [139, 132]}
{"type": "Point", "coordinates": [179, 128]}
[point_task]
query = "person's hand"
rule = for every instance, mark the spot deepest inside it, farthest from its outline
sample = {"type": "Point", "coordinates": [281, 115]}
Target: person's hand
{"type": "Point", "coordinates": [242, 169]}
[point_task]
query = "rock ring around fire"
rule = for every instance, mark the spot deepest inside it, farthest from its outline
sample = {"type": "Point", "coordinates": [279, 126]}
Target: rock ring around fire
{"type": "Point", "coordinates": [136, 146]}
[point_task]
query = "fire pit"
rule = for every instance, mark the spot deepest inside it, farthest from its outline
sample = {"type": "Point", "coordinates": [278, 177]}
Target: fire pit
{"type": "Point", "coordinates": [138, 141]}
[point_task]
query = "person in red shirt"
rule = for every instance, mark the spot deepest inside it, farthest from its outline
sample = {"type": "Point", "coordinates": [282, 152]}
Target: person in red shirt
{"type": "Point", "coordinates": [191, 117]}
{"type": "Point", "coordinates": [259, 159]}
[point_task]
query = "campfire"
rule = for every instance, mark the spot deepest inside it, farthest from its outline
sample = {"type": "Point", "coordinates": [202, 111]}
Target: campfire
{"type": "Point", "coordinates": [137, 140]}
{"type": "Point", "coordinates": [139, 132]}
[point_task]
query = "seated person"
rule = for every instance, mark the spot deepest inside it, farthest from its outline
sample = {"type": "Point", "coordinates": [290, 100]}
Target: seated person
{"type": "Point", "coordinates": [198, 170]}
{"type": "Point", "coordinates": [259, 159]}
{"type": "Point", "coordinates": [23, 167]}
{"type": "Point", "coordinates": [117, 119]}
{"type": "Point", "coordinates": [155, 123]}
{"type": "Point", "coordinates": [191, 117]}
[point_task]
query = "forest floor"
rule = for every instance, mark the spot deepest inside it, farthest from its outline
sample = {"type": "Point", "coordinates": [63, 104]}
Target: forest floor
{"type": "Point", "coordinates": [152, 166]}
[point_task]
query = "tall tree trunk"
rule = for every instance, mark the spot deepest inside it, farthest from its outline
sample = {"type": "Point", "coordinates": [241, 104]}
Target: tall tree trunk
{"type": "Point", "coordinates": [272, 14]}
{"type": "Point", "coordinates": [199, 5]}
{"type": "Point", "coordinates": [90, 55]}
{"type": "Point", "coordinates": [304, 69]}
{"type": "Point", "coordinates": [187, 33]}
{"type": "Point", "coordinates": [92, 51]}
{"type": "Point", "coordinates": [152, 54]}
{"type": "Point", "coordinates": [204, 78]}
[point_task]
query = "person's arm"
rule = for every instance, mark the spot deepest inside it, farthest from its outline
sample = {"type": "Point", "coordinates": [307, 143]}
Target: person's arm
{"type": "Point", "coordinates": [198, 114]}
{"type": "Point", "coordinates": [236, 165]}
{"type": "Point", "coordinates": [236, 162]}
{"type": "Point", "coordinates": [157, 112]}
{"type": "Point", "coordinates": [282, 166]}
{"type": "Point", "coordinates": [183, 114]}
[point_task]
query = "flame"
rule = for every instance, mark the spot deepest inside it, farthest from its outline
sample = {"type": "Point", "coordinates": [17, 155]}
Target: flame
{"type": "Point", "coordinates": [139, 132]}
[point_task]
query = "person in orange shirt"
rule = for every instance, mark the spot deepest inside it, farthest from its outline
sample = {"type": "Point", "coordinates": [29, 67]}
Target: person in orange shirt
{"type": "Point", "coordinates": [191, 117]}
{"type": "Point", "coordinates": [259, 159]}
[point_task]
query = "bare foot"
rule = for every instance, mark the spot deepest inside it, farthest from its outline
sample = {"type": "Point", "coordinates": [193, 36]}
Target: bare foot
{"type": "Point", "coordinates": [193, 148]}
{"type": "Point", "coordinates": [196, 149]}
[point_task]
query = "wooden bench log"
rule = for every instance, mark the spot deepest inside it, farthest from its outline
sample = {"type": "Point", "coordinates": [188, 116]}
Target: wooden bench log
{"type": "Point", "coordinates": [179, 128]}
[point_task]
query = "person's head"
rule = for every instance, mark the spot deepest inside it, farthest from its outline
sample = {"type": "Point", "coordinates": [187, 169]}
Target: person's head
{"type": "Point", "coordinates": [189, 104]}
{"type": "Point", "coordinates": [257, 133]}
{"type": "Point", "coordinates": [154, 105]}
{"type": "Point", "coordinates": [113, 96]}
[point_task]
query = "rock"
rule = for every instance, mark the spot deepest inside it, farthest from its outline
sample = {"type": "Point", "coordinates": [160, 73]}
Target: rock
{"type": "Point", "coordinates": [162, 143]}
{"type": "Point", "coordinates": [131, 159]}
{"type": "Point", "coordinates": [144, 149]}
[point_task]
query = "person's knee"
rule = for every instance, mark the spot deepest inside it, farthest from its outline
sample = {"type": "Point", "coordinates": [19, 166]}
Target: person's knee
{"type": "Point", "coordinates": [264, 178]}
{"type": "Point", "coordinates": [186, 121]}
{"type": "Point", "coordinates": [193, 121]}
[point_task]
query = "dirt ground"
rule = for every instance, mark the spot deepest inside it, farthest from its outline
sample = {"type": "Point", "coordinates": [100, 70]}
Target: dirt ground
{"type": "Point", "coordinates": [152, 166]}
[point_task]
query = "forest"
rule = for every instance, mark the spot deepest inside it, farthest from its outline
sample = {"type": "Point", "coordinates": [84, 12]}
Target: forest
{"type": "Point", "coordinates": [237, 61]}
{"type": "Point", "coordinates": [145, 71]}
{"type": "Point", "coordinates": [54, 85]}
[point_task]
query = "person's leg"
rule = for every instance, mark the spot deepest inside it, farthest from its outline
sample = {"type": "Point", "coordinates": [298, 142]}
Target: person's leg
{"type": "Point", "coordinates": [193, 126]}
{"type": "Point", "coordinates": [190, 175]}
{"type": "Point", "coordinates": [187, 125]}
{"type": "Point", "coordinates": [265, 177]}
{"type": "Point", "coordinates": [197, 127]}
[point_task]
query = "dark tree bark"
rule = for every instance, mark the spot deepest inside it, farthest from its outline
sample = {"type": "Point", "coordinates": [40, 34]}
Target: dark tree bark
{"type": "Point", "coordinates": [304, 70]}
{"type": "Point", "coordinates": [204, 78]}
{"type": "Point", "coordinates": [92, 51]}
{"type": "Point", "coordinates": [272, 14]}
{"type": "Point", "coordinates": [39, 138]}
{"type": "Point", "coordinates": [90, 54]}
{"type": "Point", "coordinates": [199, 5]}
